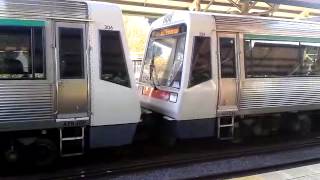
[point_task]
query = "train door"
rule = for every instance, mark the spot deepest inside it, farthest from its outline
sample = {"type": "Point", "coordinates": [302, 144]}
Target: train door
{"type": "Point", "coordinates": [72, 88]}
{"type": "Point", "coordinates": [228, 72]}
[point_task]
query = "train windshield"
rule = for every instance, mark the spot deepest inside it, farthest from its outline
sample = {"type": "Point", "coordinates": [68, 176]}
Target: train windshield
{"type": "Point", "coordinates": [164, 58]}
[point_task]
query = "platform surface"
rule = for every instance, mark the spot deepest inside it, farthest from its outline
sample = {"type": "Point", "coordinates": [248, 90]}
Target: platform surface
{"type": "Point", "coordinates": [307, 172]}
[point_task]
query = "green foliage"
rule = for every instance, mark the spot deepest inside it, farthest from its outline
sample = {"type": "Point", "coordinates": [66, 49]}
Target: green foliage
{"type": "Point", "coordinates": [137, 29]}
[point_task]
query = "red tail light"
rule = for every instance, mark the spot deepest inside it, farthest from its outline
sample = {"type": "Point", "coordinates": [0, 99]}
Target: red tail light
{"type": "Point", "coordinates": [159, 94]}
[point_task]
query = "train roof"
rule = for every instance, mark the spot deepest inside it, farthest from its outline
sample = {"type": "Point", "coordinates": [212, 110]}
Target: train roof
{"type": "Point", "coordinates": [43, 9]}
{"type": "Point", "coordinates": [250, 24]}
{"type": "Point", "coordinates": [242, 16]}
{"type": "Point", "coordinates": [48, 9]}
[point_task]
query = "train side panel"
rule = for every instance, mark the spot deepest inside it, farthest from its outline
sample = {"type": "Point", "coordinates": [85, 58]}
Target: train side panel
{"type": "Point", "coordinates": [281, 93]}
{"type": "Point", "coordinates": [114, 103]}
{"type": "Point", "coordinates": [199, 100]}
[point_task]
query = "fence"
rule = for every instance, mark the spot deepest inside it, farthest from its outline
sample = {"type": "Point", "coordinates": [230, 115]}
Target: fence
{"type": "Point", "coordinates": [137, 63]}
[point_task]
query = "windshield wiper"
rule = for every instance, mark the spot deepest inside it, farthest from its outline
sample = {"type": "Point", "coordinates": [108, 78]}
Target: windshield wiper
{"type": "Point", "coordinates": [152, 72]}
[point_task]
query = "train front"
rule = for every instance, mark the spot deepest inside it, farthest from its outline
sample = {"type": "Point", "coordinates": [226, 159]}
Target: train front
{"type": "Point", "coordinates": [166, 85]}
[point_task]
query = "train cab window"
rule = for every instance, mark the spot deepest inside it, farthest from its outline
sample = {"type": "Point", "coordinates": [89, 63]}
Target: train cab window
{"type": "Point", "coordinates": [227, 57]}
{"type": "Point", "coordinates": [71, 53]}
{"type": "Point", "coordinates": [201, 61]}
{"type": "Point", "coordinates": [113, 62]}
{"type": "Point", "coordinates": [21, 53]}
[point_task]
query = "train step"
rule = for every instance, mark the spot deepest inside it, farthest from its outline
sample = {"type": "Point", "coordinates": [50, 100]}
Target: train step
{"type": "Point", "coordinates": [226, 127]}
{"type": "Point", "coordinates": [71, 141]}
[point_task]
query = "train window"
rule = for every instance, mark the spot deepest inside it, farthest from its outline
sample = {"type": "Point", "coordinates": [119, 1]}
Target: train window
{"type": "Point", "coordinates": [38, 55]}
{"type": "Point", "coordinates": [71, 53]}
{"type": "Point", "coordinates": [271, 58]}
{"type": "Point", "coordinates": [227, 57]}
{"type": "Point", "coordinates": [310, 61]}
{"type": "Point", "coordinates": [201, 61]}
{"type": "Point", "coordinates": [21, 53]}
{"type": "Point", "coordinates": [162, 65]}
{"type": "Point", "coordinates": [113, 62]}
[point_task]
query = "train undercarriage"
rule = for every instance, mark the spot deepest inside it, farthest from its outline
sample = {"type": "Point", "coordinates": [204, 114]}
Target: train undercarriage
{"type": "Point", "coordinates": [236, 129]}
{"type": "Point", "coordinates": [41, 148]}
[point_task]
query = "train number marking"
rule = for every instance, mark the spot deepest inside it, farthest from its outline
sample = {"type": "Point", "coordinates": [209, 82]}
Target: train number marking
{"type": "Point", "coordinates": [74, 123]}
{"type": "Point", "coordinates": [108, 27]}
{"type": "Point", "coordinates": [202, 34]}
{"type": "Point", "coordinates": [167, 19]}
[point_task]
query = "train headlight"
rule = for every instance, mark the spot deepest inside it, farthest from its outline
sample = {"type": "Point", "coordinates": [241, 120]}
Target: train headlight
{"type": "Point", "coordinates": [140, 89]}
{"type": "Point", "coordinates": [173, 97]}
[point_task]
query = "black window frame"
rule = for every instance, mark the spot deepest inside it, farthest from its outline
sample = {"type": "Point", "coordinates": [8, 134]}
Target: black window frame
{"type": "Point", "coordinates": [32, 51]}
{"type": "Point", "coordinates": [194, 50]}
{"type": "Point", "coordinates": [123, 57]}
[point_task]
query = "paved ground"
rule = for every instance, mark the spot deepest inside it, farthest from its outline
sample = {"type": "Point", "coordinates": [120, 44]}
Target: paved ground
{"type": "Point", "coordinates": [211, 169]}
{"type": "Point", "coordinates": [307, 172]}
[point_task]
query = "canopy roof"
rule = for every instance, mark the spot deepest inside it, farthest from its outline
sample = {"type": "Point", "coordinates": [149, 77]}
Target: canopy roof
{"type": "Point", "coordinates": [299, 9]}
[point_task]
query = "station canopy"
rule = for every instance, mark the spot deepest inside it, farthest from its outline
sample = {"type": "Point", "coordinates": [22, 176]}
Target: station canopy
{"type": "Point", "coordinates": [293, 9]}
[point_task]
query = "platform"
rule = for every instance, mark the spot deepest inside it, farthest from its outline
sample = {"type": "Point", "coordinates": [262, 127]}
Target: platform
{"type": "Point", "coordinates": [310, 171]}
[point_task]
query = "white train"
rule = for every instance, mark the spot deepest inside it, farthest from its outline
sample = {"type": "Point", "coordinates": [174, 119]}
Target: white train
{"type": "Point", "coordinates": [207, 74]}
{"type": "Point", "coordinates": [66, 81]}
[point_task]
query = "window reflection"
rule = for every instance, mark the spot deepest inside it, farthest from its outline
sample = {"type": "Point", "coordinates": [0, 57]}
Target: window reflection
{"type": "Point", "coordinates": [163, 62]}
{"type": "Point", "coordinates": [310, 55]}
{"type": "Point", "coordinates": [227, 57]}
{"type": "Point", "coordinates": [267, 58]}
{"type": "Point", "coordinates": [71, 53]}
{"type": "Point", "coordinates": [21, 53]}
{"type": "Point", "coordinates": [201, 61]}
{"type": "Point", "coordinates": [167, 55]}
{"type": "Point", "coordinates": [113, 62]}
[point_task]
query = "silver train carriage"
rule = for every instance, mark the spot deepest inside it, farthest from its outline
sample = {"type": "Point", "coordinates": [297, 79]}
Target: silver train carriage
{"type": "Point", "coordinates": [206, 74]}
{"type": "Point", "coordinates": [66, 81]}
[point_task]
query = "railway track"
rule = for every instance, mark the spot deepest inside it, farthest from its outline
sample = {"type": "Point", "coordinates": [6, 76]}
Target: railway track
{"type": "Point", "coordinates": [145, 165]}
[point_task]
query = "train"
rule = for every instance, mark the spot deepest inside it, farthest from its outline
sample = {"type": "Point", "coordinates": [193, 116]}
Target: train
{"type": "Point", "coordinates": [228, 76]}
{"type": "Point", "coordinates": [67, 83]}
{"type": "Point", "coordinates": [66, 80]}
